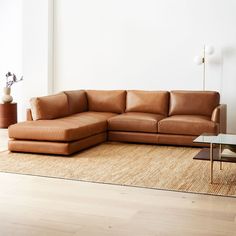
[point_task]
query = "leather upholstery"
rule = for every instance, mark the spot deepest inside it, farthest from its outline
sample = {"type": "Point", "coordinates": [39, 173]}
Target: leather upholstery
{"type": "Point", "coordinates": [167, 139]}
{"type": "Point", "coordinates": [219, 116]}
{"type": "Point", "coordinates": [29, 115]}
{"type": "Point", "coordinates": [71, 128]}
{"type": "Point", "coordinates": [49, 107]}
{"type": "Point", "coordinates": [135, 121]}
{"type": "Point", "coordinates": [136, 137]}
{"type": "Point", "coordinates": [191, 114]}
{"type": "Point", "coordinates": [106, 100]}
{"type": "Point", "coordinates": [193, 102]}
{"type": "Point", "coordinates": [187, 125]}
{"type": "Point", "coordinates": [77, 101]}
{"type": "Point", "coordinates": [147, 101]}
{"type": "Point", "coordinates": [182, 140]}
{"type": "Point", "coordinates": [58, 148]}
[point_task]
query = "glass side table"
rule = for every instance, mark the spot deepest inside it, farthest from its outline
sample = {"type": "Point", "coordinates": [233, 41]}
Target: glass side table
{"type": "Point", "coordinates": [222, 149]}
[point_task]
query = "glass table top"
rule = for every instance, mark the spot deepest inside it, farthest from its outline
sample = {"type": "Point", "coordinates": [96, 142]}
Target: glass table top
{"type": "Point", "coordinates": [229, 139]}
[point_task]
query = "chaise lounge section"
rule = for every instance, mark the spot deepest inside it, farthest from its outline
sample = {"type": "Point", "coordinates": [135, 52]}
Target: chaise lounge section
{"type": "Point", "coordinates": [71, 121]}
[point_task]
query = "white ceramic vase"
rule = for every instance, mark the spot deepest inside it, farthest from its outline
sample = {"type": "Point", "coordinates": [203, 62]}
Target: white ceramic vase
{"type": "Point", "coordinates": [7, 98]}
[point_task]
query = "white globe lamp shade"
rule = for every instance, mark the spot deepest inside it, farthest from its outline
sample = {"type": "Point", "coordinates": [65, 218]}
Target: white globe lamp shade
{"type": "Point", "coordinates": [209, 50]}
{"type": "Point", "coordinates": [198, 60]}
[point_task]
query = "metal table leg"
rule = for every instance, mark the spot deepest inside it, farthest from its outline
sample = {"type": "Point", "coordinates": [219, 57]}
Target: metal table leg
{"type": "Point", "coordinates": [220, 151]}
{"type": "Point", "coordinates": [211, 163]}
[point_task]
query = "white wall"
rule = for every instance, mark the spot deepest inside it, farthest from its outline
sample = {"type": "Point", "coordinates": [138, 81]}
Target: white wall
{"type": "Point", "coordinates": [26, 48]}
{"type": "Point", "coordinates": [37, 49]}
{"type": "Point", "coordinates": [145, 44]}
{"type": "Point", "coordinates": [11, 46]}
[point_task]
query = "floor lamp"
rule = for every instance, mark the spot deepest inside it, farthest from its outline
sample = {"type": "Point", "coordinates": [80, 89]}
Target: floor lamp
{"type": "Point", "coordinates": [201, 60]}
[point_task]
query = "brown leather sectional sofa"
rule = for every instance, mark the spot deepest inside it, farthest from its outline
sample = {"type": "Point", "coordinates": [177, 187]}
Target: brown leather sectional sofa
{"type": "Point", "coordinates": [74, 120]}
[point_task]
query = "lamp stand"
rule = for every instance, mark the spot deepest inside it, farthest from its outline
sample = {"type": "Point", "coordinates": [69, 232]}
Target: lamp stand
{"type": "Point", "coordinates": [204, 68]}
{"type": "Point", "coordinates": [199, 60]}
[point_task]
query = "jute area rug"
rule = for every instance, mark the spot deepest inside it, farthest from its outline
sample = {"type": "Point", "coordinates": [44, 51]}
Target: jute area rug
{"type": "Point", "coordinates": [150, 166]}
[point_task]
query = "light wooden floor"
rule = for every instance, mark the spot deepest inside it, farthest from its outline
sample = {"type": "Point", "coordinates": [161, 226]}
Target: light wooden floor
{"type": "Point", "coordinates": [31, 206]}
{"type": "Point", "coordinates": [3, 139]}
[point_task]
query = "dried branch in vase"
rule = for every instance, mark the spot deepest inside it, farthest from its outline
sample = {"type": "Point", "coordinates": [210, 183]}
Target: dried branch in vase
{"type": "Point", "coordinates": [11, 79]}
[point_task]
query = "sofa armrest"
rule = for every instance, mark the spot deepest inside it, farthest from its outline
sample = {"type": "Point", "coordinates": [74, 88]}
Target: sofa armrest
{"type": "Point", "coordinates": [219, 115]}
{"type": "Point", "coordinates": [29, 115]}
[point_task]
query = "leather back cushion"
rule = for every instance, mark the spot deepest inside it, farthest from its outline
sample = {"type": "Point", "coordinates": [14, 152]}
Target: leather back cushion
{"type": "Point", "coordinates": [49, 107]}
{"type": "Point", "coordinates": [193, 102]}
{"type": "Point", "coordinates": [106, 100]}
{"type": "Point", "coordinates": [156, 102]}
{"type": "Point", "coordinates": [77, 101]}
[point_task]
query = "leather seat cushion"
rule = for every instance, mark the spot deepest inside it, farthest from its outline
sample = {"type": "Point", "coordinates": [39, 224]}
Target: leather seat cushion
{"type": "Point", "coordinates": [156, 102]}
{"type": "Point", "coordinates": [187, 125]}
{"type": "Point", "coordinates": [135, 121]}
{"type": "Point", "coordinates": [49, 107]}
{"type": "Point", "coordinates": [193, 102]}
{"type": "Point", "coordinates": [77, 101]}
{"type": "Point", "coordinates": [69, 128]}
{"type": "Point", "coordinates": [106, 100]}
